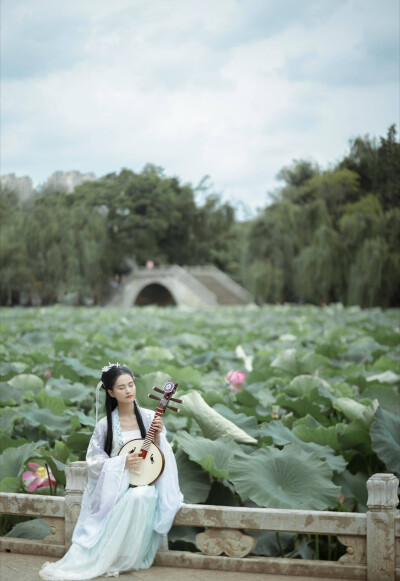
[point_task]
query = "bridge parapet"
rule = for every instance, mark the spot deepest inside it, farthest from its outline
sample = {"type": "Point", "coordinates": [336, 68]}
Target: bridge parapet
{"type": "Point", "coordinates": [189, 286]}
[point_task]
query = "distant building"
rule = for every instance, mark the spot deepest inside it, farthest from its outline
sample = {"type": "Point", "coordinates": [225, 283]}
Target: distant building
{"type": "Point", "coordinates": [22, 186]}
{"type": "Point", "coordinates": [67, 181]}
{"type": "Point", "coordinates": [60, 181]}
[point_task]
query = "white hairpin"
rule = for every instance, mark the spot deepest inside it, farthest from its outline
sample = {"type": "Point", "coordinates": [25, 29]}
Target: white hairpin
{"type": "Point", "coordinates": [108, 367]}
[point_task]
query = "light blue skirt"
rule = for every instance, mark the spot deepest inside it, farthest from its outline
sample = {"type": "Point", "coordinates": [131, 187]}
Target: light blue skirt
{"type": "Point", "coordinates": [129, 542]}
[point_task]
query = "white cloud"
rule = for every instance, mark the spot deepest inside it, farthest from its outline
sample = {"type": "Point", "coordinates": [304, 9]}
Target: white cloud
{"type": "Point", "coordinates": [232, 89]}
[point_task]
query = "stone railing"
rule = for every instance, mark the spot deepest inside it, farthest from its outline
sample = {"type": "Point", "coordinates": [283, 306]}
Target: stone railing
{"type": "Point", "coordinates": [372, 539]}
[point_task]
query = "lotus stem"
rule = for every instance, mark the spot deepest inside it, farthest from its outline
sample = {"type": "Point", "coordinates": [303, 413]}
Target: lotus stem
{"type": "Point", "coordinates": [317, 547]}
{"type": "Point", "coordinates": [48, 476]}
{"type": "Point", "coordinates": [279, 544]}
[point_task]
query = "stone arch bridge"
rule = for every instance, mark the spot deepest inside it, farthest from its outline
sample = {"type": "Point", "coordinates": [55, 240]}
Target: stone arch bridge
{"type": "Point", "coordinates": [196, 286]}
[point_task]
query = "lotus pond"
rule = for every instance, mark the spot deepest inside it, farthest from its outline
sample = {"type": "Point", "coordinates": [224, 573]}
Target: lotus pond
{"type": "Point", "coordinates": [317, 415]}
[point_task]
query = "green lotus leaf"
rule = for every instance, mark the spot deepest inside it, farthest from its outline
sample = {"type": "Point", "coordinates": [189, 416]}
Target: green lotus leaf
{"type": "Point", "coordinates": [286, 360]}
{"type": "Point", "coordinates": [40, 356]}
{"type": "Point", "coordinates": [70, 392]}
{"type": "Point", "coordinates": [385, 377]}
{"type": "Point", "coordinates": [302, 385]}
{"type": "Point", "coordinates": [355, 436]}
{"type": "Point", "coordinates": [7, 442]}
{"type": "Point", "coordinates": [223, 493]}
{"type": "Point", "coordinates": [10, 396]}
{"type": "Point", "coordinates": [194, 482]}
{"type": "Point", "coordinates": [244, 397]}
{"type": "Point", "coordinates": [26, 382]}
{"type": "Point", "coordinates": [213, 397]}
{"type": "Point", "coordinates": [321, 435]}
{"type": "Point", "coordinates": [385, 438]}
{"type": "Point", "coordinates": [386, 363]}
{"type": "Point", "coordinates": [36, 338]}
{"type": "Point", "coordinates": [145, 384]}
{"type": "Point", "coordinates": [8, 369]}
{"type": "Point", "coordinates": [342, 390]}
{"type": "Point", "coordinates": [308, 421]}
{"type": "Point", "coordinates": [156, 354]}
{"type": "Point", "coordinates": [32, 529]}
{"type": "Point", "coordinates": [248, 424]}
{"type": "Point", "coordinates": [78, 442]}
{"type": "Point", "coordinates": [54, 404]}
{"type": "Point", "coordinates": [201, 359]}
{"type": "Point", "coordinates": [388, 398]}
{"type": "Point", "coordinates": [354, 487]}
{"type": "Point", "coordinates": [175, 422]}
{"type": "Point", "coordinates": [187, 377]}
{"type": "Point", "coordinates": [267, 542]}
{"type": "Point", "coordinates": [11, 484]}
{"type": "Point", "coordinates": [212, 424]}
{"type": "Point", "coordinates": [61, 451]}
{"type": "Point", "coordinates": [289, 478]}
{"type": "Point", "coordinates": [302, 406]}
{"type": "Point", "coordinates": [313, 363]}
{"type": "Point", "coordinates": [354, 410]}
{"type": "Point", "coordinates": [212, 455]}
{"type": "Point", "coordinates": [84, 420]}
{"type": "Point", "coordinates": [184, 538]}
{"type": "Point", "coordinates": [44, 419]}
{"type": "Point", "coordinates": [188, 340]}
{"type": "Point", "coordinates": [81, 370]}
{"type": "Point", "coordinates": [65, 344]}
{"type": "Point", "coordinates": [12, 459]}
{"type": "Point", "coordinates": [8, 416]}
{"type": "Point", "coordinates": [282, 436]}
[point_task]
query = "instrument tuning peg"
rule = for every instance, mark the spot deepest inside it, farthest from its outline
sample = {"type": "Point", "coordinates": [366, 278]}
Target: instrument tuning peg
{"type": "Point", "coordinates": [158, 389]}
{"type": "Point", "coordinates": [174, 409]}
{"type": "Point", "coordinates": [175, 399]}
{"type": "Point", "coordinates": [152, 396]}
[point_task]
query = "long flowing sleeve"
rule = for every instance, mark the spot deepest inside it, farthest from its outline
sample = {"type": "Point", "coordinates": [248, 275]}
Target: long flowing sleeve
{"type": "Point", "coordinates": [108, 480]}
{"type": "Point", "coordinates": [170, 497]}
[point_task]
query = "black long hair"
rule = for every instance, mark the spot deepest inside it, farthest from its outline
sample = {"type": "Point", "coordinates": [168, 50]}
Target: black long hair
{"type": "Point", "coordinates": [108, 379]}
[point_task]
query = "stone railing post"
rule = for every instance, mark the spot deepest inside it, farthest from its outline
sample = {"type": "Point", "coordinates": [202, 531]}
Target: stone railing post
{"type": "Point", "coordinates": [76, 474]}
{"type": "Point", "coordinates": [382, 503]}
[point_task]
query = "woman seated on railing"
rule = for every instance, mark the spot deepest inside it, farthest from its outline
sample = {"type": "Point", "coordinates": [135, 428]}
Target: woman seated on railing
{"type": "Point", "coordinates": [120, 527]}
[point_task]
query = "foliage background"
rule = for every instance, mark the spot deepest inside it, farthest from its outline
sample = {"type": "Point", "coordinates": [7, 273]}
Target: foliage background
{"type": "Point", "coordinates": [318, 415]}
{"type": "Point", "coordinates": [328, 235]}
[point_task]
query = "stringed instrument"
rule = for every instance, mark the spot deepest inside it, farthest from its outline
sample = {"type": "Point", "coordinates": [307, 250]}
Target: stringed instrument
{"type": "Point", "coordinates": [153, 459]}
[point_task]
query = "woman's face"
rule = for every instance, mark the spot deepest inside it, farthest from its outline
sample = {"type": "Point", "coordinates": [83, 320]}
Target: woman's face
{"type": "Point", "coordinates": [124, 389]}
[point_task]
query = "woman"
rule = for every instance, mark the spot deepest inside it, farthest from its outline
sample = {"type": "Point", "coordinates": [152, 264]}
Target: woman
{"type": "Point", "coordinates": [119, 528]}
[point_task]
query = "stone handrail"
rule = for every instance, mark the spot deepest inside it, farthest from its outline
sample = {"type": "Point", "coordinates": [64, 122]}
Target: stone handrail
{"type": "Point", "coordinates": [372, 539]}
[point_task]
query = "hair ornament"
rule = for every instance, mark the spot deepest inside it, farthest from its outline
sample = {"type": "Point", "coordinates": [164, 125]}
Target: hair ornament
{"type": "Point", "coordinates": [110, 365]}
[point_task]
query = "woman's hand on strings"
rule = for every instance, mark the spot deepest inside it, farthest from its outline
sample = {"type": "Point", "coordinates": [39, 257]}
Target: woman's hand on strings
{"type": "Point", "coordinates": [133, 462]}
{"type": "Point", "coordinates": [158, 428]}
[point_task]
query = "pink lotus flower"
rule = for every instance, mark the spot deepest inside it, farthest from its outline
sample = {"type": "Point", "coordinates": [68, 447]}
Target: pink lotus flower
{"type": "Point", "coordinates": [38, 478]}
{"type": "Point", "coordinates": [235, 380]}
{"type": "Point", "coordinates": [47, 374]}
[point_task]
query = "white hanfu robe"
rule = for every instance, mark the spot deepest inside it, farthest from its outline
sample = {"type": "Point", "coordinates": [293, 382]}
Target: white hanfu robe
{"type": "Point", "coordinates": [119, 528]}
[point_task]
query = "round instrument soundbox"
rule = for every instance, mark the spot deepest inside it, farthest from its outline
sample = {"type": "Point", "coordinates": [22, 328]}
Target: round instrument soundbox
{"type": "Point", "coordinates": [151, 467]}
{"type": "Point", "coordinates": [153, 461]}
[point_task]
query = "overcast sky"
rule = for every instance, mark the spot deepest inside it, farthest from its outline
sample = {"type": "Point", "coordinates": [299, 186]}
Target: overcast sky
{"type": "Point", "coordinates": [233, 89]}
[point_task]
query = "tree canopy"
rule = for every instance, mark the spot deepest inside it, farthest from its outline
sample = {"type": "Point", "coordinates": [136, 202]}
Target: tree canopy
{"type": "Point", "coordinates": [328, 235]}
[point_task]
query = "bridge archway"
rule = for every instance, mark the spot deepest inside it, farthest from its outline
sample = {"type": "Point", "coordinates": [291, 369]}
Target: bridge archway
{"type": "Point", "coordinates": [155, 294]}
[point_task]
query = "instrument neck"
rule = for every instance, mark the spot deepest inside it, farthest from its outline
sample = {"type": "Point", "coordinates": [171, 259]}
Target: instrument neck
{"type": "Point", "coordinates": [150, 434]}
